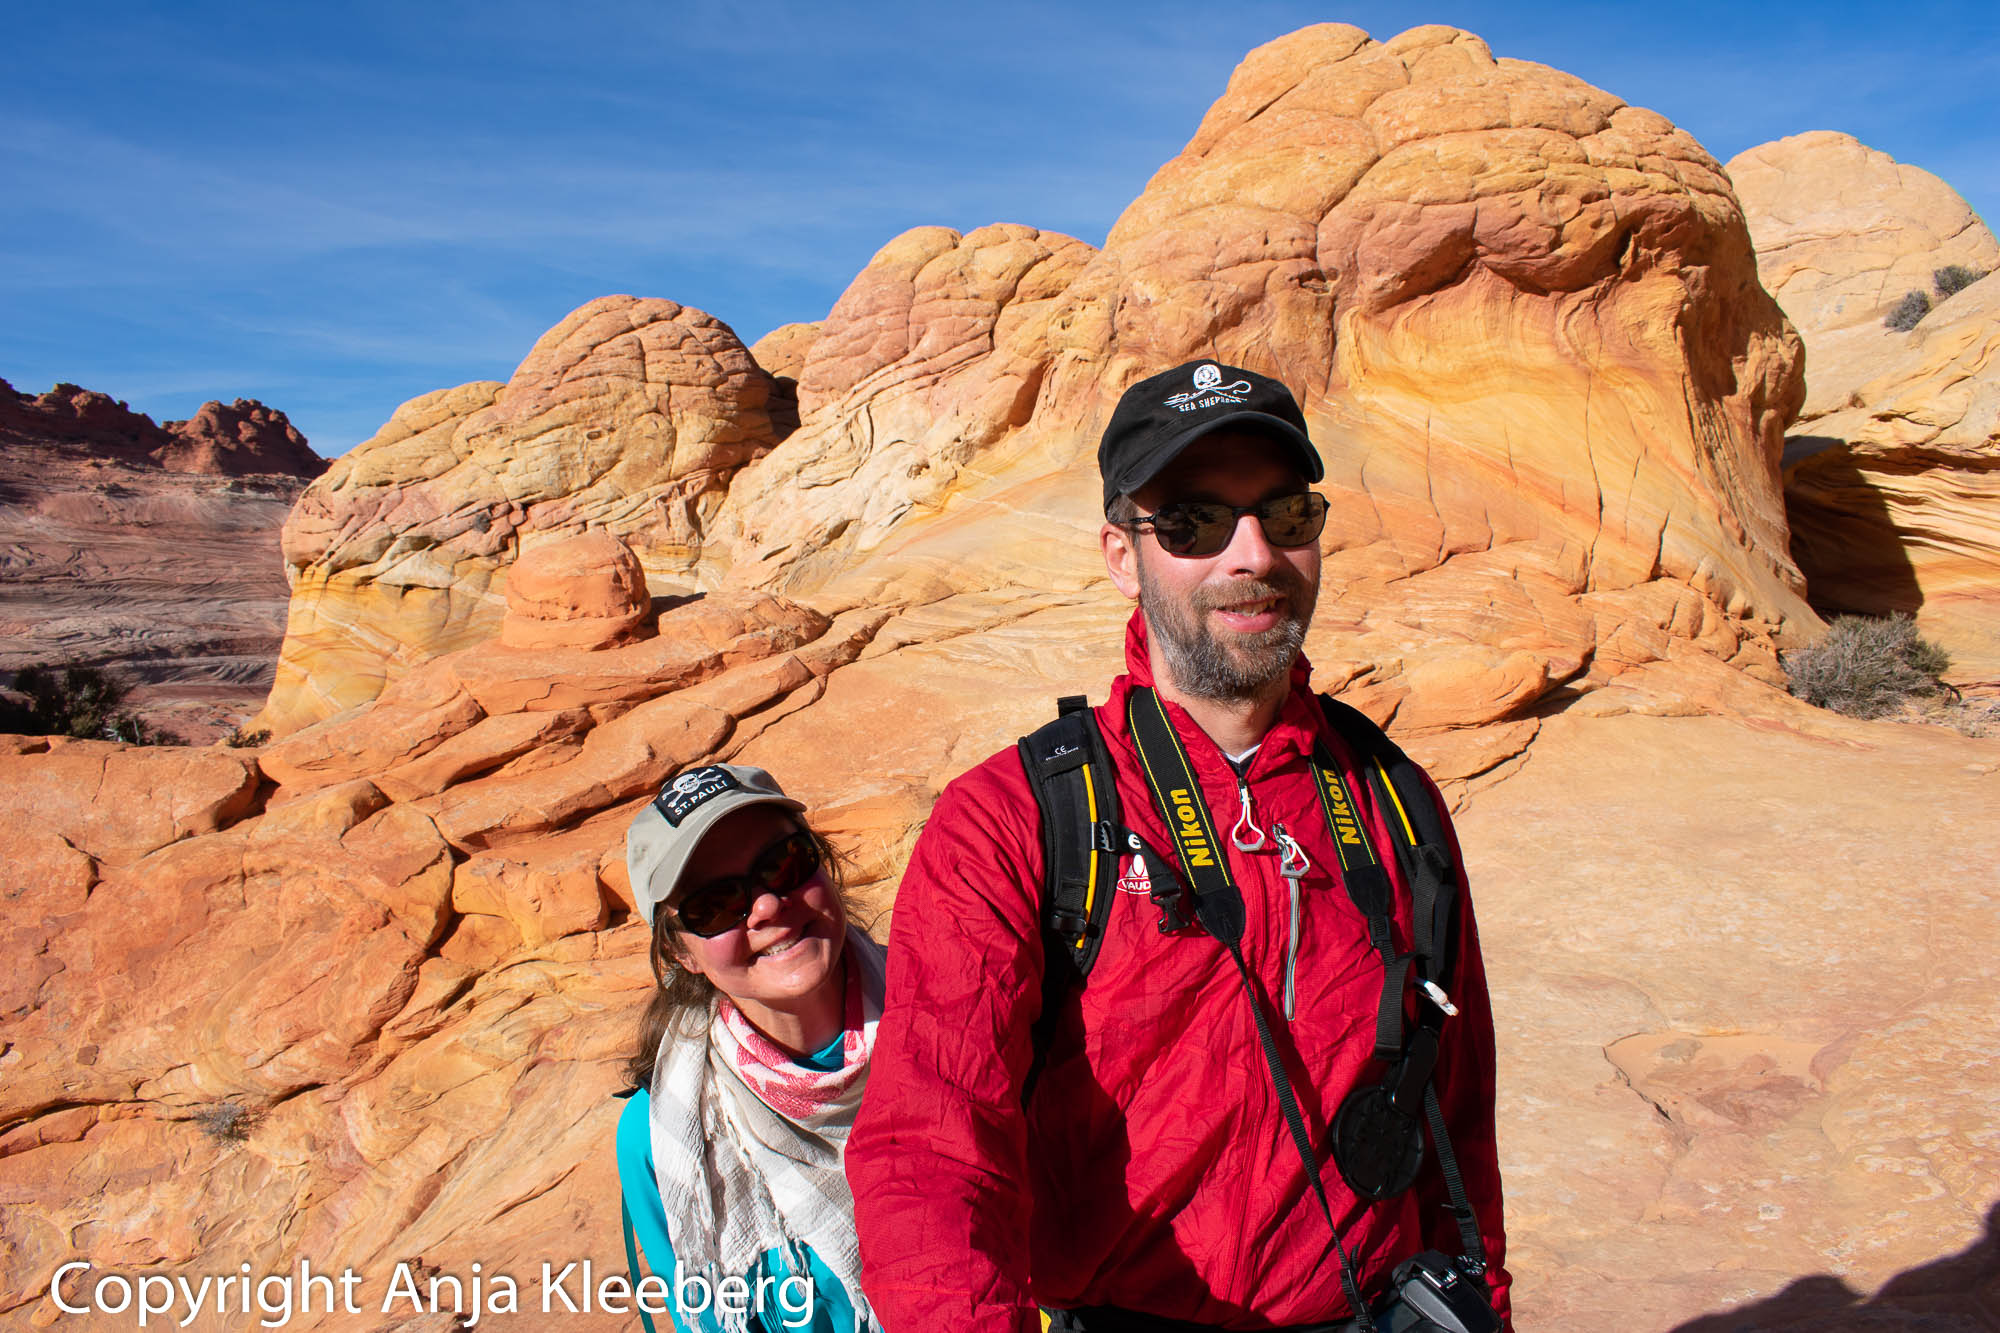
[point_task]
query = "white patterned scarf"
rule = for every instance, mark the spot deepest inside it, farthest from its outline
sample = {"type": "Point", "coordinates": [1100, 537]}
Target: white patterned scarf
{"type": "Point", "coordinates": [748, 1146]}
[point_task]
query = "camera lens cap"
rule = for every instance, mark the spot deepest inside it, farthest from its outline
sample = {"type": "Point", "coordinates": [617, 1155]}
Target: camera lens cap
{"type": "Point", "coordinates": [1377, 1148]}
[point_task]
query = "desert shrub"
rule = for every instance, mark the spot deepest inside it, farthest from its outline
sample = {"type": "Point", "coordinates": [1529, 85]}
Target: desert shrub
{"type": "Point", "coordinates": [1908, 312]}
{"type": "Point", "coordinates": [76, 701]}
{"type": "Point", "coordinates": [229, 1122]}
{"type": "Point", "coordinates": [1867, 667]}
{"type": "Point", "coordinates": [1954, 278]}
{"type": "Point", "coordinates": [245, 739]}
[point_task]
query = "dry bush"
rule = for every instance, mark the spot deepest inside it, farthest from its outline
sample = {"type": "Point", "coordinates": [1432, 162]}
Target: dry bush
{"type": "Point", "coordinates": [1867, 667]}
{"type": "Point", "coordinates": [227, 1122]}
{"type": "Point", "coordinates": [1954, 278]}
{"type": "Point", "coordinates": [1909, 312]}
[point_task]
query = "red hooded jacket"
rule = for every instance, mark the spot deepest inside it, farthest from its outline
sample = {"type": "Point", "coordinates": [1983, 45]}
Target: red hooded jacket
{"type": "Point", "coordinates": [1153, 1170]}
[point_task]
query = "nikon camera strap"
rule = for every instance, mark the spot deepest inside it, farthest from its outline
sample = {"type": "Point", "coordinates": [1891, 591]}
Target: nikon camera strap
{"type": "Point", "coordinates": [1424, 852]}
{"type": "Point", "coordinates": [1218, 905]}
{"type": "Point", "coordinates": [1377, 1132]}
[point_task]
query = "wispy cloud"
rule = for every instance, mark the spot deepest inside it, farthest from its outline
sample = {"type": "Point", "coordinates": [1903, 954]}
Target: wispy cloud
{"type": "Point", "coordinates": [351, 204]}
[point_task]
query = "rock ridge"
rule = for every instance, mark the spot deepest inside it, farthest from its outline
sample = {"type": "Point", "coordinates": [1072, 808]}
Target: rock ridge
{"type": "Point", "coordinates": [242, 439]}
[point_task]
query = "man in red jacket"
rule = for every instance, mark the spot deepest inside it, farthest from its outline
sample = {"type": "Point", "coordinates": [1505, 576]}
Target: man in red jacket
{"type": "Point", "coordinates": [1151, 1182]}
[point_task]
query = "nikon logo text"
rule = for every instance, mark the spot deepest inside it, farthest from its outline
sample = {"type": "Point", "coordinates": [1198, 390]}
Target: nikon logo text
{"type": "Point", "coordinates": [1193, 843]}
{"type": "Point", "coordinates": [1343, 813]}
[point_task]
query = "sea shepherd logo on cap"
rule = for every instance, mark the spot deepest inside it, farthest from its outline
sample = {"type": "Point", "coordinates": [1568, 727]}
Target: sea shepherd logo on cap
{"type": "Point", "coordinates": [1209, 390]}
{"type": "Point", "coordinates": [679, 798]}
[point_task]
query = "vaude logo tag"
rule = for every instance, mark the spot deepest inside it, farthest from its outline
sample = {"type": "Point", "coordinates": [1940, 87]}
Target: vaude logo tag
{"type": "Point", "coordinates": [1209, 390]}
{"type": "Point", "coordinates": [678, 799]}
{"type": "Point", "coordinates": [1135, 879]}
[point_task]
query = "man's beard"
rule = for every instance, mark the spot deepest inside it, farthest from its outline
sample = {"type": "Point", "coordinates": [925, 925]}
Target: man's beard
{"type": "Point", "coordinates": [1244, 666]}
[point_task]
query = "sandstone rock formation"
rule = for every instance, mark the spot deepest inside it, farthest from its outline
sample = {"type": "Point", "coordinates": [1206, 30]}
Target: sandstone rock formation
{"type": "Point", "coordinates": [914, 393]}
{"type": "Point", "coordinates": [1527, 325]}
{"type": "Point", "coordinates": [1893, 470]}
{"type": "Point", "coordinates": [628, 416]}
{"type": "Point", "coordinates": [368, 1004]}
{"type": "Point", "coordinates": [1895, 501]}
{"type": "Point", "coordinates": [1842, 233]}
{"type": "Point", "coordinates": [1524, 318]}
{"type": "Point", "coordinates": [149, 549]}
{"type": "Point", "coordinates": [244, 439]}
{"type": "Point", "coordinates": [448, 849]}
{"type": "Point", "coordinates": [783, 350]}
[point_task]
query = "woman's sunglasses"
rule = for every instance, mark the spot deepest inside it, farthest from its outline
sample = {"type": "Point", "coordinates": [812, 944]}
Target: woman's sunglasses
{"type": "Point", "coordinates": [1198, 527]}
{"type": "Point", "coordinates": [784, 867]}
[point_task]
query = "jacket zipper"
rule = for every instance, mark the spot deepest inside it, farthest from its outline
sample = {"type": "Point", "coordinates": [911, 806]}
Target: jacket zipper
{"type": "Point", "coordinates": [1293, 865]}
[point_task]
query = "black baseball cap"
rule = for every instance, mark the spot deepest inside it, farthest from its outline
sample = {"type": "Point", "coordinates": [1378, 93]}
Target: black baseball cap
{"type": "Point", "coordinates": [1160, 416]}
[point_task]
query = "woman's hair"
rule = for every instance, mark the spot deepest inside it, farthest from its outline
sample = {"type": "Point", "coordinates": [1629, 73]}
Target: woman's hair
{"type": "Point", "coordinates": [681, 999]}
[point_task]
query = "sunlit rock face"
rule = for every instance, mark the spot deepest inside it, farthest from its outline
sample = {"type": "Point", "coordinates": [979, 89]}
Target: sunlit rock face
{"type": "Point", "coordinates": [629, 416]}
{"type": "Point", "coordinates": [1892, 472]}
{"type": "Point", "coordinates": [1844, 232]}
{"type": "Point", "coordinates": [1896, 499]}
{"type": "Point", "coordinates": [922, 387]}
{"type": "Point", "coordinates": [1526, 324]}
{"type": "Point", "coordinates": [1523, 317]}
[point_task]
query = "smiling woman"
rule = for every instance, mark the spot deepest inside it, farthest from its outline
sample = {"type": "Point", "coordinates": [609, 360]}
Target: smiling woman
{"type": "Point", "coordinates": [751, 1060]}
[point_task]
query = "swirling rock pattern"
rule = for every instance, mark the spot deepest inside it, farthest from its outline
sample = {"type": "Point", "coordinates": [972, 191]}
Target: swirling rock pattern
{"type": "Point", "coordinates": [1525, 320]}
{"type": "Point", "coordinates": [629, 416]}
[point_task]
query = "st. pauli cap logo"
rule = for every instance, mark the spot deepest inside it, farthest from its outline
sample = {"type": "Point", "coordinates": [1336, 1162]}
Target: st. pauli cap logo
{"type": "Point", "coordinates": [1209, 390]}
{"type": "Point", "coordinates": [679, 798]}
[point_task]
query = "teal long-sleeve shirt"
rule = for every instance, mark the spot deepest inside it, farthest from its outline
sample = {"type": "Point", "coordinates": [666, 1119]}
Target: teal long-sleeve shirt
{"type": "Point", "coordinates": [832, 1308]}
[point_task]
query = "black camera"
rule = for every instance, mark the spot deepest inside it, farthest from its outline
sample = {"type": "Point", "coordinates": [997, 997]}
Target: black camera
{"type": "Point", "coordinates": [1429, 1295]}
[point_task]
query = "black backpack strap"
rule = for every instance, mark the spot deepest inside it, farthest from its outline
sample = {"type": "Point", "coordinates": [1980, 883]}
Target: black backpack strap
{"type": "Point", "coordinates": [1424, 848]}
{"type": "Point", "coordinates": [1076, 794]}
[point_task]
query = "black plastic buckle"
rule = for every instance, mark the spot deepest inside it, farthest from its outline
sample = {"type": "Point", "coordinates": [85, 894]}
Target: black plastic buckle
{"type": "Point", "coordinates": [1171, 899]}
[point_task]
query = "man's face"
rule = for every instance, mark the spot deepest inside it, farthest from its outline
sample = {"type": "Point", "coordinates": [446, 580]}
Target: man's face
{"type": "Point", "coordinates": [1228, 625]}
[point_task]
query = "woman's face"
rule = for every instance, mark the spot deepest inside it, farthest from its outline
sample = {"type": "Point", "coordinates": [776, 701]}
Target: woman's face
{"type": "Point", "coordinates": [782, 964]}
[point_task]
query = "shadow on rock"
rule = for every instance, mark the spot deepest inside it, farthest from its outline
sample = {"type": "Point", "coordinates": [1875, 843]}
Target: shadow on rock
{"type": "Point", "coordinates": [1845, 537]}
{"type": "Point", "coordinates": [1959, 1293]}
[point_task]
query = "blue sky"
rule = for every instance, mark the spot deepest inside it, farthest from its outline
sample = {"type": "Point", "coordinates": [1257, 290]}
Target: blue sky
{"type": "Point", "coordinates": [335, 207]}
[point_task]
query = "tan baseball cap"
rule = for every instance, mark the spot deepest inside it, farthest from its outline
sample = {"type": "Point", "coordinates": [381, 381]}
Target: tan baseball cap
{"type": "Point", "coordinates": [665, 833]}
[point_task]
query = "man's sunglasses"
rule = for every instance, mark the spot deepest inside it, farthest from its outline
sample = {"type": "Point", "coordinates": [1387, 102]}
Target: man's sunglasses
{"type": "Point", "coordinates": [784, 867]}
{"type": "Point", "coordinates": [1197, 527]}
